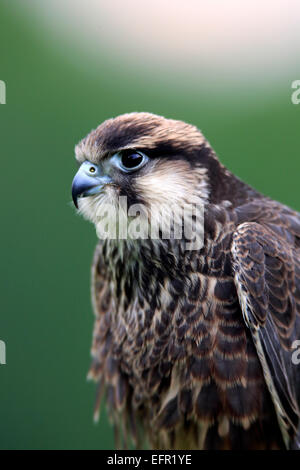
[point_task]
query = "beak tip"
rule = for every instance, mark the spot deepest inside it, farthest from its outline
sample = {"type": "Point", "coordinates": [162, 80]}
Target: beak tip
{"type": "Point", "coordinates": [75, 196]}
{"type": "Point", "coordinates": [85, 185]}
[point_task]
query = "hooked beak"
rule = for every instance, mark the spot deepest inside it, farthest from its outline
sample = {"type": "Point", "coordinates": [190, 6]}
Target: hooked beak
{"type": "Point", "coordinates": [86, 183]}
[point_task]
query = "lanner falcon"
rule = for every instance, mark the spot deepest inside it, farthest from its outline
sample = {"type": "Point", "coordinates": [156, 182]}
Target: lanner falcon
{"type": "Point", "coordinates": [192, 349]}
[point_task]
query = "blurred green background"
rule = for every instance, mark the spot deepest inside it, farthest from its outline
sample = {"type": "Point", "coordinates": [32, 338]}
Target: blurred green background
{"type": "Point", "coordinates": [55, 95]}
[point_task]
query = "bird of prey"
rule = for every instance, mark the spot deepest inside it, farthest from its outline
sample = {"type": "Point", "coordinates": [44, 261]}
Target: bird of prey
{"type": "Point", "coordinates": [192, 349]}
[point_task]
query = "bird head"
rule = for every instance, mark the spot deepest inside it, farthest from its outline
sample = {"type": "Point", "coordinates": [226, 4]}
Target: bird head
{"type": "Point", "coordinates": [152, 161]}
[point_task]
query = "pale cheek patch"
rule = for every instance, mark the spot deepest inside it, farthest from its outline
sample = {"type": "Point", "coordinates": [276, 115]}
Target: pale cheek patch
{"type": "Point", "coordinates": [173, 183]}
{"type": "Point", "coordinates": [175, 197]}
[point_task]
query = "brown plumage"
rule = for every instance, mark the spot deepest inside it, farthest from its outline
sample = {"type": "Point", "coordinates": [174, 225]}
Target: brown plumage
{"type": "Point", "coordinates": [193, 349]}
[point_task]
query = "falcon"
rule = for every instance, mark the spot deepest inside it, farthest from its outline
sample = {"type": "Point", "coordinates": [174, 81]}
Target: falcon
{"type": "Point", "coordinates": [192, 348]}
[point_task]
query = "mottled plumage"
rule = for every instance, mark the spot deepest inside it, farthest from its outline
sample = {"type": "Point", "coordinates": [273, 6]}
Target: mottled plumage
{"type": "Point", "coordinates": [193, 349]}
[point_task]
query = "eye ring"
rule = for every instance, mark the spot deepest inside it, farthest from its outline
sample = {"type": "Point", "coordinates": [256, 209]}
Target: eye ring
{"type": "Point", "coordinates": [130, 160]}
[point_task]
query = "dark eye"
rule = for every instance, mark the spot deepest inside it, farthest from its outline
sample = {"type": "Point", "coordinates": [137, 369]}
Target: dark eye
{"type": "Point", "coordinates": [132, 160]}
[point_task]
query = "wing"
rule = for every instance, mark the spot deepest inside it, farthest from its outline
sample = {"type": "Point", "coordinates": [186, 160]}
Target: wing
{"type": "Point", "coordinates": [267, 277]}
